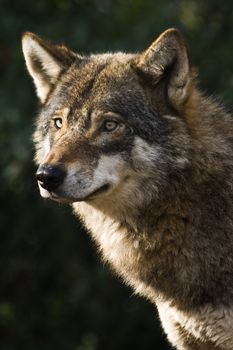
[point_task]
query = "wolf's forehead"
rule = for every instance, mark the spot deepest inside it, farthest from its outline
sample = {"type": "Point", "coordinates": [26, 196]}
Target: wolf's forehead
{"type": "Point", "coordinates": [99, 83]}
{"type": "Point", "coordinates": [98, 74]}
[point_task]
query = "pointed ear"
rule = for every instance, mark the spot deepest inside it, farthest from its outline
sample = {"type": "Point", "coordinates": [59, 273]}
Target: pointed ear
{"type": "Point", "coordinates": [168, 57]}
{"type": "Point", "coordinates": [45, 62]}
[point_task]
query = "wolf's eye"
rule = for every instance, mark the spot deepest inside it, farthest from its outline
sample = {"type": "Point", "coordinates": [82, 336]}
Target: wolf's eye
{"type": "Point", "coordinates": [57, 122]}
{"type": "Point", "coordinates": [110, 125]}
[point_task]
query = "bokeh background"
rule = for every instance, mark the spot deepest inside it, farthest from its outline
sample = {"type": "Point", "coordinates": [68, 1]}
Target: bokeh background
{"type": "Point", "coordinates": [54, 291]}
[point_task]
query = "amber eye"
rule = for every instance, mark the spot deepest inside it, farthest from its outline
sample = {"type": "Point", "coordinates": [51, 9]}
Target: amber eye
{"type": "Point", "coordinates": [110, 125]}
{"type": "Point", "coordinates": [57, 122]}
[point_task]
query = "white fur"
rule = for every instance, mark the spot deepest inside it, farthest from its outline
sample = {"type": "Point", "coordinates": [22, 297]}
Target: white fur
{"type": "Point", "coordinates": [111, 240]}
{"type": "Point", "coordinates": [207, 323]}
{"type": "Point", "coordinates": [169, 117]}
{"type": "Point", "coordinates": [143, 153]}
{"type": "Point", "coordinates": [43, 149]}
{"type": "Point", "coordinates": [44, 193]}
{"type": "Point", "coordinates": [46, 147]}
{"type": "Point", "coordinates": [79, 184]}
{"type": "Point", "coordinates": [107, 170]}
{"type": "Point", "coordinates": [31, 48]}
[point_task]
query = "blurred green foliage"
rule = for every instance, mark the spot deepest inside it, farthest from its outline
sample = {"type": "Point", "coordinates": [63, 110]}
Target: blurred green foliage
{"type": "Point", "coordinates": [54, 291]}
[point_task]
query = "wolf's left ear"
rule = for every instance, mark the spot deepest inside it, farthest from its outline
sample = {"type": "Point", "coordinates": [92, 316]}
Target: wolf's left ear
{"type": "Point", "coordinates": [45, 62]}
{"type": "Point", "coordinates": [168, 57]}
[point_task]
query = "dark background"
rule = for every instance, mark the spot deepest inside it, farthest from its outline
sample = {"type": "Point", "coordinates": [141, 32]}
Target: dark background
{"type": "Point", "coordinates": [54, 291]}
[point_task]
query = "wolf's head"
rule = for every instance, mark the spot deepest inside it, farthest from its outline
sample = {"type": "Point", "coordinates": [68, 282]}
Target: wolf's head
{"type": "Point", "coordinates": [108, 123]}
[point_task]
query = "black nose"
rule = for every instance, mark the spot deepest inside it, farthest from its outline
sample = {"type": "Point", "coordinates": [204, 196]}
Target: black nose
{"type": "Point", "coordinates": [50, 176]}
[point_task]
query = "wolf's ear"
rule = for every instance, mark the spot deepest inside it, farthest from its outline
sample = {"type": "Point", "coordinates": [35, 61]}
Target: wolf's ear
{"type": "Point", "coordinates": [45, 62]}
{"type": "Point", "coordinates": [168, 57]}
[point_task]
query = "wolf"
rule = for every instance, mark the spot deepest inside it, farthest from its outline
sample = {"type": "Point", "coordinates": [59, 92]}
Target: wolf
{"type": "Point", "coordinates": [146, 161]}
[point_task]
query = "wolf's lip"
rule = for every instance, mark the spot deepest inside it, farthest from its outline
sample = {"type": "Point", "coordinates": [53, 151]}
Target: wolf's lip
{"type": "Point", "coordinates": [99, 190]}
{"type": "Point", "coordinates": [62, 198]}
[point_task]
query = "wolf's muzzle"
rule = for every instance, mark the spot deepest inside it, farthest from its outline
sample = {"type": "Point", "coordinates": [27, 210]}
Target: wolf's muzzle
{"type": "Point", "coordinates": [50, 177]}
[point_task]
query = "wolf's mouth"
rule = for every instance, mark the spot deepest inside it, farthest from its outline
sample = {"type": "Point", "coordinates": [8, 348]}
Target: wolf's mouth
{"type": "Point", "coordinates": [99, 190]}
{"type": "Point", "coordinates": [63, 197]}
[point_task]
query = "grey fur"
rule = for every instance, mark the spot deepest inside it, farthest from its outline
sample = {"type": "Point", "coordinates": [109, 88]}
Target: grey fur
{"type": "Point", "coordinates": [164, 219]}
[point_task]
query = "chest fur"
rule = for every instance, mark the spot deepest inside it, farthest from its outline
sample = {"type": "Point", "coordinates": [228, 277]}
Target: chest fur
{"type": "Point", "coordinates": [117, 246]}
{"type": "Point", "coordinates": [198, 327]}
{"type": "Point", "coordinates": [124, 252]}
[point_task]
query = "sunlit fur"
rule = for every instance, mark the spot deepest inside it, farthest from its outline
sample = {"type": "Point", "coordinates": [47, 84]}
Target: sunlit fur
{"type": "Point", "coordinates": [156, 193]}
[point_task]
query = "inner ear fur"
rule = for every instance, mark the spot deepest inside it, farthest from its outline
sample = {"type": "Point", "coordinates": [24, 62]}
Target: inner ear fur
{"type": "Point", "coordinates": [168, 57]}
{"type": "Point", "coordinates": [45, 62]}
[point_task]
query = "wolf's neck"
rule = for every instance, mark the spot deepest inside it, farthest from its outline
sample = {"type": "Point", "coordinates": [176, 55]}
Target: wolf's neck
{"type": "Point", "coordinates": [139, 246]}
{"type": "Point", "coordinates": [162, 250]}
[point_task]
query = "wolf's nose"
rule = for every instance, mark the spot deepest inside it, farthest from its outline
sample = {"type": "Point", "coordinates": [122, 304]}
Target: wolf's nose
{"type": "Point", "coordinates": [50, 176]}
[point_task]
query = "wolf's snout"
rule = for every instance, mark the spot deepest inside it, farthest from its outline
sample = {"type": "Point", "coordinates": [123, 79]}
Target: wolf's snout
{"type": "Point", "coordinates": [50, 177]}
